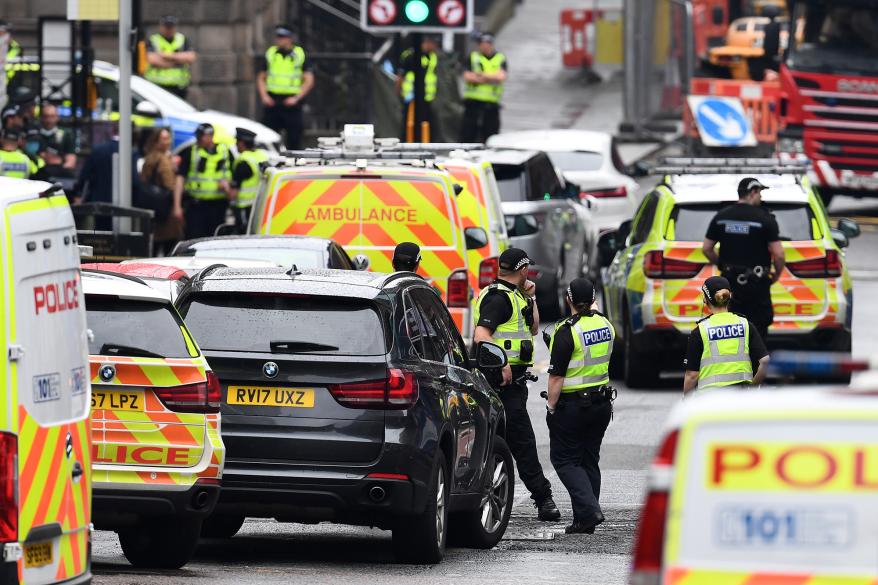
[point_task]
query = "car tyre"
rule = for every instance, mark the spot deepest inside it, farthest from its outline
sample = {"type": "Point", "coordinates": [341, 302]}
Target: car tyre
{"type": "Point", "coordinates": [640, 368]}
{"type": "Point", "coordinates": [221, 526]}
{"type": "Point", "coordinates": [167, 543]}
{"type": "Point", "coordinates": [421, 539]}
{"type": "Point", "coordinates": [485, 526]}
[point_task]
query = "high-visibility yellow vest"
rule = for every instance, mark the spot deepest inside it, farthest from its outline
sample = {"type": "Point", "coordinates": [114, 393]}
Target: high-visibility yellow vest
{"type": "Point", "coordinates": [725, 359]}
{"type": "Point", "coordinates": [284, 73]}
{"type": "Point", "coordinates": [16, 164]}
{"type": "Point", "coordinates": [248, 188]}
{"type": "Point", "coordinates": [170, 76]}
{"type": "Point", "coordinates": [204, 185]}
{"type": "Point", "coordinates": [592, 347]}
{"type": "Point", "coordinates": [485, 92]}
{"type": "Point", "coordinates": [429, 63]}
{"type": "Point", "coordinates": [12, 52]}
{"type": "Point", "coordinates": [510, 334]}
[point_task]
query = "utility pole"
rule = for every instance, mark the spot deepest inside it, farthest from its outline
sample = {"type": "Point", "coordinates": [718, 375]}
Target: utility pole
{"type": "Point", "coordinates": [124, 184]}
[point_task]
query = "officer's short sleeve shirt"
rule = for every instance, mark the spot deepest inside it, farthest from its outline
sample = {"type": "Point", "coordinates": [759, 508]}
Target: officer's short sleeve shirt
{"type": "Point", "coordinates": [185, 161]}
{"type": "Point", "coordinates": [743, 232]}
{"type": "Point", "coordinates": [692, 360]}
{"type": "Point", "coordinates": [562, 351]}
{"type": "Point", "coordinates": [240, 173]}
{"type": "Point", "coordinates": [494, 310]}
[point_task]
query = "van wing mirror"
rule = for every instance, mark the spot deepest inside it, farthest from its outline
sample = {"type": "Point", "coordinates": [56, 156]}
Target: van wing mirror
{"type": "Point", "coordinates": [841, 240]}
{"type": "Point", "coordinates": [849, 227]}
{"type": "Point", "coordinates": [490, 356]}
{"type": "Point", "coordinates": [475, 237]}
{"type": "Point", "coordinates": [458, 188]}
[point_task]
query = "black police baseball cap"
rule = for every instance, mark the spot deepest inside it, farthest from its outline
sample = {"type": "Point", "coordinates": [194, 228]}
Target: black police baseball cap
{"type": "Point", "coordinates": [169, 20]}
{"type": "Point", "coordinates": [282, 30]}
{"type": "Point", "coordinates": [407, 254]}
{"type": "Point", "coordinates": [713, 285]}
{"type": "Point", "coordinates": [11, 134]}
{"type": "Point", "coordinates": [581, 291]}
{"type": "Point", "coordinates": [748, 184]}
{"type": "Point", "coordinates": [246, 136]}
{"type": "Point", "coordinates": [513, 259]}
{"type": "Point", "coordinates": [202, 129]}
{"type": "Point", "coordinates": [486, 38]}
{"type": "Point", "coordinates": [10, 111]}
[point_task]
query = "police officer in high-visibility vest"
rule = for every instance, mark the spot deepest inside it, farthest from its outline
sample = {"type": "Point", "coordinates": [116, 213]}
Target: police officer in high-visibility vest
{"type": "Point", "coordinates": [579, 402]}
{"type": "Point", "coordinates": [169, 56]}
{"type": "Point", "coordinates": [203, 175]}
{"type": "Point", "coordinates": [724, 348]}
{"type": "Point", "coordinates": [245, 177]}
{"type": "Point", "coordinates": [405, 84]}
{"type": "Point", "coordinates": [284, 80]}
{"type": "Point", "coordinates": [485, 75]}
{"type": "Point", "coordinates": [506, 314]}
{"type": "Point", "coordinates": [13, 162]}
{"type": "Point", "coordinates": [13, 51]}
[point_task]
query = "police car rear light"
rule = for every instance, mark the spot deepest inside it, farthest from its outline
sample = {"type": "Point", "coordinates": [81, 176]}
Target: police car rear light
{"type": "Point", "coordinates": [814, 363]}
{"type": "Point", "coordinates": [488, 269]}
{"type": "Point", "coordinates": [656, 265]}
{"type": "Point", "coordinates": [665, 454]}
{"type": "Point", "coordinates": [458, 290]}
{"type": "Point", "coordinates": [9, 487]}
{"type": "Point", "coordinates": [204, 397]}
{"type": "Point", "coordinates": [829, 265]}
{"type": "Point", "coordinates": [620, 191]}
{"type": "Point", "coordinates": [396, 476]}
{"type": "Point", "coordinates": [397, 391]}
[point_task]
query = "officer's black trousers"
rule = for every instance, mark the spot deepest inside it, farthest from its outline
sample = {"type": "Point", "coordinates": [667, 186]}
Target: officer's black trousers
{"type": "Point", "coordinates": [575, 436]}
{"type": "Point", "coordinates": [203, 217]}
{"type": "Point", "coordinates": [753, 301]}
{"type": "Point", "coordinates": [522, 442]}
{"type": "Point", "coordinates": [481, 120]}
{"type": "Point", "coordinates": [287, 120]}
{"type": "Point", "coordinates": [242, 217]}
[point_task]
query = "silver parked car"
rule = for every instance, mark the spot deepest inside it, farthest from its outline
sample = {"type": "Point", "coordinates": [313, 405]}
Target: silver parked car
{"type": "Point", "coordinates": [545, 217]}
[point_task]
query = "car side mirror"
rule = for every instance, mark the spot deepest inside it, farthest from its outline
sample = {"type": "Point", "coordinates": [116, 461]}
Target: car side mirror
{"type": "Point", "coordinates": [147, 109]}
{"type": "Point", "coordinates": [458, 188]}
{"type": "Point", "coordinates": [840, 238]}
{"type": "Point", "coordinates": [226, 230]}
{"type": "Point", "coordinates": [624, 232]}
{"type": "Point", "coordinates": [639, 169]}
{"type": "Point", "coordinates": [608, 245]}
{"type": "Point", "coordinates": [361, 262]}
{"type": "Point", "coordinates": [475, 237]}
{"type": "Point", "coordinates": [490, 356]}
{"type": "Point", "coordinates": [849, 227]}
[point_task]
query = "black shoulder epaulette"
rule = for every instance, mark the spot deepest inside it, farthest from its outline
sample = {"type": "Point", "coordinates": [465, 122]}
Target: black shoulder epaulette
{"type": "Point", "coordinates": [570, 321]}
{"type": "Point", "coordinates": [702, 319]}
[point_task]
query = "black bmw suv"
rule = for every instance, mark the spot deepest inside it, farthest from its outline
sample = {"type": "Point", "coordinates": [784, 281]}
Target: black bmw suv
{"type": "Point", "coordinates": [349, 397]}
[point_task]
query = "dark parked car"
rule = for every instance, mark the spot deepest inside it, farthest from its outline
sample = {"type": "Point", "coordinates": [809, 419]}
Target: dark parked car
{"type": "Point", "coordinates": [349, 397]}
{"type": "Point", "coordinates": [301, 251]}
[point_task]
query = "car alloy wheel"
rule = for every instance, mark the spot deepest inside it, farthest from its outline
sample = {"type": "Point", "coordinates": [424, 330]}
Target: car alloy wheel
{"type": "Point", "coordinates": [495, 501]}
{"type": "Point", "coordinates": [440, 505]}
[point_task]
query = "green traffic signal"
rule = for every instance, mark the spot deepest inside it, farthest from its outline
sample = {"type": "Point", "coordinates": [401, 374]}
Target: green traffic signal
{"type": "Point", "coordinates": [417, 11]}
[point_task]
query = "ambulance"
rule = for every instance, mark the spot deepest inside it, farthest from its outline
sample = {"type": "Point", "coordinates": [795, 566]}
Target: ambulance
{"type": "Point", "coordinates": [763, 487]}
{"type": "Point", "coordinates": [45, 448]}
{"type": "Point", "coordinates": [157, 452]}
{"type": "Point", "coordinates": [368, 197]}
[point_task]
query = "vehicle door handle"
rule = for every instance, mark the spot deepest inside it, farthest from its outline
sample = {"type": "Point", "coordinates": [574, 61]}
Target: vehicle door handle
{"type": "Point", "coordinates": [76, 473]}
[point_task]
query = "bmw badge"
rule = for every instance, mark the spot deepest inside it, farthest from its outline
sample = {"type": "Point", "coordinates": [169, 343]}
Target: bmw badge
{"type": "Point", "coordinates": [107, 373]}
{"type": "Point", "coordinates": [270, 370]}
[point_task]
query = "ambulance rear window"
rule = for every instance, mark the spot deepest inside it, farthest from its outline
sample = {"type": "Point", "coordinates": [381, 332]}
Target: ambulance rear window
{"type": "Point", "coordinates": [688, 223]}
{"type": "Point", "coordinates": [130, 328]}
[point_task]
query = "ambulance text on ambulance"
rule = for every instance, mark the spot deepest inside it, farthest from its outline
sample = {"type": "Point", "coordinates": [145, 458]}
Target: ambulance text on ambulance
{"type": "Point", "coordinates": [375, 215]}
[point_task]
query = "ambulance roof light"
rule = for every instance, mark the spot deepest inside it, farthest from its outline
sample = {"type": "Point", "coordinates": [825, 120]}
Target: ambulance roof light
{"type": "Point", "coordinates": [358, 138]}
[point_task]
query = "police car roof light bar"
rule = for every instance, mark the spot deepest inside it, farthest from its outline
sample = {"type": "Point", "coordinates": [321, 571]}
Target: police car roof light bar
{"type": "Point", "coordinates": [730, 166]}
{"type": "Point", "coordinates": [317, 154]}
{"type": "Point", "coordinates": [440, 146]}
{"type": "Point", "coordinates": [814, 363]}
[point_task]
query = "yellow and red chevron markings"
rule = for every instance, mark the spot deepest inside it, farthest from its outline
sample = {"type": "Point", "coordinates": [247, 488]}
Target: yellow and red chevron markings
{"type": "Point", "coordinates": [679, 576]}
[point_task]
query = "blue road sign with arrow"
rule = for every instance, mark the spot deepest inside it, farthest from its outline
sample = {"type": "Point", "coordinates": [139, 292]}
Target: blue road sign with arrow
{"type": "Point", "coordinates": [722, 121]}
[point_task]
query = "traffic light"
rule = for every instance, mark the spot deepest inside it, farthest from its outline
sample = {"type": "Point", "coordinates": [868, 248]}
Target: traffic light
{"type": "Point", "coordinates": [431, 16]}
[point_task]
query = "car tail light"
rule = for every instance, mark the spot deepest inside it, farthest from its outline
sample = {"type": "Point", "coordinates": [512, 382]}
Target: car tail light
{"type": "Point", "coordinates": [8, 487]}
{"type": "Point", "coordinates": [488, 269]}
{"type": "Point", "coordinates": [458, 289]}
{"type": "Point", "coordinates": [396, 476]}
{"type": "Point", "coordinates": [202, 397]}
{"type": "Point", "coordinates": [398, 390]}
{"type": "Point", "coordinates": [655, 265]}
{"type": "Point", "coordinates": [620, 191]}
{"type": "Point", "coordinates": [829, 265]}
{"type": "Point", "coordinates": [649, 544]}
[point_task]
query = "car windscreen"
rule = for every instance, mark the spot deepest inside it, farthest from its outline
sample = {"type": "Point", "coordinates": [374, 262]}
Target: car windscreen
{"type": "Point", "coordinates": [579, 160]}
{"type": "Point", "coordinates": [522, 224]}
{"type": "Point", "coordinates": [512, 181]}
{"type": "Point", "coordinates": [281, 256]}
{"type": "Point", "coordinates": [689, 223]}
{"type": "Point", "coordinates": [269, 323]}
{"type": "Point", "coordinates": [134, 328]}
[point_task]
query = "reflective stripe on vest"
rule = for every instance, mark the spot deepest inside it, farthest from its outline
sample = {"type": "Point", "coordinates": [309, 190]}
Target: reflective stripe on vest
{"type": "Point", "coordinates": [510, 334]}
{"type": "Point", "coordinates": [589, 364]}
{"type": "Point", "coordinates": [429, 63]}
{"type": "Point", "coordinates": [284, 72]}
{"type": "Point", "coordinates": [485, 92]}
{"type": "Point", "coordinates": [248, 188]}
{"type": "Point", "coordinates": [15, 164]}
{"type": "Point", "coordinates": [204, 185]}
{"type": "Point", "coordinates": [725, 358]}
{"type": "Point", "coordinates": [168, 76]}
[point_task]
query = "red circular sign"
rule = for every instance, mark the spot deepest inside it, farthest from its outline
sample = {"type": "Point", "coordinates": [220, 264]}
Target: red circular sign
{"type": "Point", "coordinates": [382, 11]}
{"type": "Point", "coordinates": [451, 12]}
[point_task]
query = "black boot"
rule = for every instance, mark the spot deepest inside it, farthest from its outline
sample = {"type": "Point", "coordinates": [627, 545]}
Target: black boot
{"type": "Point", "coordinates": [547, 511]}
{"type": "Point", "coordinates": [585, 526]}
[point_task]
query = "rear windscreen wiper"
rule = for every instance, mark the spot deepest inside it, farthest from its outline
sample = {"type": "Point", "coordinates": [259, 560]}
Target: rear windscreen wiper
{"type": "Point", "coordinates": [127, 350]}
{"type": "Point", "coordinates": [299, 347]}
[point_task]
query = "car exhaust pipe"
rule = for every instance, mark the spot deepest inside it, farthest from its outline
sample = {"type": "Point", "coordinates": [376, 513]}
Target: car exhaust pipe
{"type": "Point", "coordinates": [200, 499]}
{"type": "Point", "coordinates": [377, 494]}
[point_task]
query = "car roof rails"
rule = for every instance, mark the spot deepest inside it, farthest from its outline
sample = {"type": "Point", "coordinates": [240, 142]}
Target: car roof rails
{"type": "Point", "coordinates": [117, 274]}
{"type": "Point", "coordinates": [399, 275]}
{"type": "Point", "coordinates": [730, 166]}
{"type": "Point", "coordinates": [207, 270]}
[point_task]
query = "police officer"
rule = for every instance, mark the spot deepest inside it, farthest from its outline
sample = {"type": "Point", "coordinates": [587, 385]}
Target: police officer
{"type": "Point", "coordinates": [169, 56]}
{"type": "Point", "coordinates": [13, 162]}
{"type": "Point", "coordinates": [405, 85]}
{"type": "Point", "coordinates": [579, 402]}
{"type": "Point", "coordinates": [485, 74]}
{"type": "Point", "coordinates": [245, 177]}
{"type": "Point", "coordinates": [284, 80]}
{"type": "Point", "coordinates": [13, 51]}
{"type": "Point", "coordinates": [506, 314]}
{"type": "Point", "coordinates": [724, 348]}
{"type": "Point", "coordinates": [203, 174]}
{"type": "Point", "coordinates": [750, 246]}
{"type": "Point", "coordinates": [406, 257]}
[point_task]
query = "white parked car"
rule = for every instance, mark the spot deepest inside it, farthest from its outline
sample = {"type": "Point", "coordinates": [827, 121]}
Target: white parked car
{"type": "Point", "coordinates": [587, 159]}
